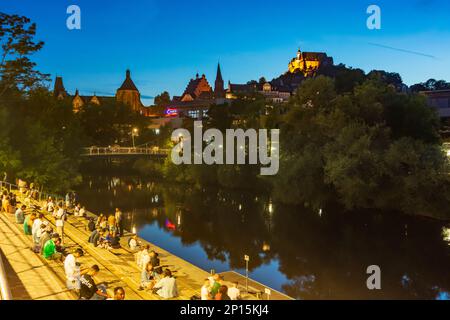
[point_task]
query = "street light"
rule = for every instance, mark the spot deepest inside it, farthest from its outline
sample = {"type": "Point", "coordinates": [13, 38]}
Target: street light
{"type": "Point", "coordinates": [133, 134]}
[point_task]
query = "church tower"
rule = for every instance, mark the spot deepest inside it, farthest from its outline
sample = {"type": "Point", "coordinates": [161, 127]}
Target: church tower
{"type": "Point", "coordinates": [59, 91]}
{"type": "Point", "coordinates": [219, 91]}
{"type": "Point", "coordinates": [128, 93]}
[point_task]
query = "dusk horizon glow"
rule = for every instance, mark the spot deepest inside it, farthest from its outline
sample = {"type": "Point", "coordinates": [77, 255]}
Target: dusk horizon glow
{"type": "Point", "coordinates": [165, 43]}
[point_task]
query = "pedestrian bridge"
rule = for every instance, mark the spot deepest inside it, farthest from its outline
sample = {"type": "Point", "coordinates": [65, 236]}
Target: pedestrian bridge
{"type": "Point", "coordinates": [125, 151]}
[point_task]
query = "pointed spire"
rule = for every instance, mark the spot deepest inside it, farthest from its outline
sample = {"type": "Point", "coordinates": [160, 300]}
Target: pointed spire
{"type": "Point", "coordinates": [128, 74]}
{"type": "Point", "coordinates": [219, 90]}
{"type": "Point", "coordinates": [76, 92]}
{"type": "Point", "coordinates": [219, 73]}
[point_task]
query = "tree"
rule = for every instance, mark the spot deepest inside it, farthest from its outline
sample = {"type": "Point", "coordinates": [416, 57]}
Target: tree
{"type": "Point", "coordinates": [162, 99]}
{"type": "Point", "coordinates": [373, 148]}
{"type": "Point", "coordinates": [17, 71]}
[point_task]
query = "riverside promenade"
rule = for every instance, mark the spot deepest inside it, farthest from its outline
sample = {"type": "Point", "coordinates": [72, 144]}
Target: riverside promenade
{"type": "Point", "coordinates": [33, 277]}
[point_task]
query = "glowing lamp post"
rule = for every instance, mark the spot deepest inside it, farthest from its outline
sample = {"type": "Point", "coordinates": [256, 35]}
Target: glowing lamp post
{"type": "Point", "coordinates": [134, 133]}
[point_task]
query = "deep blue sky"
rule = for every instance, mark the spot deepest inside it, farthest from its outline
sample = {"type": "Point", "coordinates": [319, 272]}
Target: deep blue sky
{"type": "Point", "coordinates": [165, 43]}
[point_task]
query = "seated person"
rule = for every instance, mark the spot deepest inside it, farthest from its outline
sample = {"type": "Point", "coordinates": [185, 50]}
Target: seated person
{"type": "Point", "coordinates": [91, 225]}
{"type": "Point", "coordinates": [222, 293]}
{"type": "Point", "coordinates": [134, 243]}
{"type": "Point", "coordinates": [115, 241]}
{"type": "Point", "coordinates": [88, 288]}
{"type": "Point", "coordinates": [95, 236]}
{"type": "Point", "coordinates": [148, 277]}
{"type": "Point", "coordinates": [49, 251]}
{"type": "Point", "coordinates": [105, 240]}
{"type": "Point", "coordinates": [234, 293]}
{"type": "Point", "coordinates": [167, 286]}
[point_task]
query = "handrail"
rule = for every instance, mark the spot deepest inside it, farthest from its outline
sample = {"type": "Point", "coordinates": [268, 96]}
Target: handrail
{"type": "Point", "coordinates": [95, 151]}
{"type": "Point", "coordinates": [5, 291]}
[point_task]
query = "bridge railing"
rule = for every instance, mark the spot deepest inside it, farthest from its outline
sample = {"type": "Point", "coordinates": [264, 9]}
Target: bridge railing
{"type": "Point", "coordinates": [99, 151]}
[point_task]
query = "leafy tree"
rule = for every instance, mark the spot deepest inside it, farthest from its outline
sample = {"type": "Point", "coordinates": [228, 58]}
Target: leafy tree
{"type": "Point", "coordinates": [162, 99]}
{"type": "Point", "coordinates": [373, 148]}
{"type": "Point", "coordinates": [17, 45]}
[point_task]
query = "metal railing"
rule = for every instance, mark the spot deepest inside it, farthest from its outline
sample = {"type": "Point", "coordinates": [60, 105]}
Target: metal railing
{"type": "Point", "coordinates": [102, 151]}
{"type": "Point", "coordinates": [41, 195]}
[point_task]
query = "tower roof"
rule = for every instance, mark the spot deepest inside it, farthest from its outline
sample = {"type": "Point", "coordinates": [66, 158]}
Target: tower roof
{"type": "Point", "coordinates": [219, 73]}
{"type": "Point", "coordinates": [128, 84]}
{"type": "Point", "coordinates": [59, 87]}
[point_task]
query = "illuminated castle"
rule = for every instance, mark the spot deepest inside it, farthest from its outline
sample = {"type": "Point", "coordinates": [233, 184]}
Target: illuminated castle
{"type": "Point", "coordinates": [309, 62]}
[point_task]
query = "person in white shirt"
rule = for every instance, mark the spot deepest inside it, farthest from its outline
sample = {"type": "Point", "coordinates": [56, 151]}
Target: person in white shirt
{"type": "Point", "coordinates": [59, 222]}
{"type": "Point", "coordinates": [233, 292]}
{"type": "Point", "coordinates": [50, 206]}
{"type": "Point", "coordinates": [140, 255]}
{"type": "Point", "coordinates": [76, 210]}
{"type": "Point", "coordinates": [167, 287]}
{"type": "Point", "coordinates": [206, 288]}
{"type": "Point", "coordinates": [134, 243]}
{"type": "Point", "coordinates": [82, 212]}
{"type": "Point", "coordinates": [72, 270]}
{"type": "Point", "coordinates": [36, 227]}
{"type": "Point", "coordinates": [144, 260]}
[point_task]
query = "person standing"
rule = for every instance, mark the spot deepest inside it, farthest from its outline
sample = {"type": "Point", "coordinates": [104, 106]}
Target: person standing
{"type": "Point", "coordinates": [60, 217]}
{"type": "Point", "coordinates": [119, 221]}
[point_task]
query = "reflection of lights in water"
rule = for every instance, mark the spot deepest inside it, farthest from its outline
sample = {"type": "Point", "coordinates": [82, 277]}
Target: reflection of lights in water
{"type": "Point", "coordinates": [266, 247]}
{"type": "Point", "coordinates": [320, 212]}
{"type": "Point", "coordinates": [443, 295]}
{"type": "Point", "coordinates": [405, 280]}
{"type": "Point", "coordinates": [446, 234]}
{"type": "Point", "coordinates": [179, 219]}
{"type": "Point", "coordinates": [114, 192]}
{"type": "Point", "coordinates": [240, 207]}
{"type": "Point", "coordinates": [270, 207]}
{"type": "Point", "coordinates": [130, 187]}
{"type": "Point", "coordinates": [155, 212]}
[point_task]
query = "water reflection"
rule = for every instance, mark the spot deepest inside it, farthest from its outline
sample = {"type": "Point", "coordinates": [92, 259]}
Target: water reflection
{"type": "Point", "coordinates": [307, 253]}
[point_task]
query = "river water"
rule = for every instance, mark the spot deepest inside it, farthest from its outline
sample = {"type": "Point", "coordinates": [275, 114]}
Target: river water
{"type": "Point", "coordinates": [307, 254]}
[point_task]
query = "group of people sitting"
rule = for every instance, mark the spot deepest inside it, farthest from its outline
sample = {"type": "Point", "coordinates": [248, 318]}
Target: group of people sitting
{"type": "Point", "coordinates": [49, 244]}
{"type": "Point", "coordinates": [106, 232]}
{"type": "Point", "coordinates": [82, 279]}
{"type": "Point", "coordinates": [9, 202]}
{"type": "Point", "coordinates": [214, 289]}
{"type": "Point", "coordinates": [153, 277]}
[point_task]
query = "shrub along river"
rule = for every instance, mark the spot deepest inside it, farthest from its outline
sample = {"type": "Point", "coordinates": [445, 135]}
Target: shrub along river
{"type": "Point", "coordinates": [308, 254]}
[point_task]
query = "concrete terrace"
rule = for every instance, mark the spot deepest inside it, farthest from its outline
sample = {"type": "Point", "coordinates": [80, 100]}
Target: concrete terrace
{"type": "Point", "coordinates": [32, 277]}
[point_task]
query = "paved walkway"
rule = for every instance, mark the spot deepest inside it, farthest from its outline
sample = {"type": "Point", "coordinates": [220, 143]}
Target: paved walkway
{"type": "Point", "coordinates": [28, 275]}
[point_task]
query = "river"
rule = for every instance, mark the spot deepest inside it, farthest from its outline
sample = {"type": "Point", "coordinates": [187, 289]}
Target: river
{"type": "Point", "coordinates": [307, 254]}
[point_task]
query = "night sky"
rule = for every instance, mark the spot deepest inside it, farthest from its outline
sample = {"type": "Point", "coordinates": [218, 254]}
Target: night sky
{"type": "Point", "coordinates": [165, 43]}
